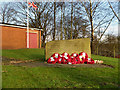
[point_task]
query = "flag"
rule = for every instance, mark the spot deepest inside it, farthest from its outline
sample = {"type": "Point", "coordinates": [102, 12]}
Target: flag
{"type": "Point", "coordinates": [32, 5]}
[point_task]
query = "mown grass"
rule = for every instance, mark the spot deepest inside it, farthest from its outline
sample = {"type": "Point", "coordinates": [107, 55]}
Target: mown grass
{"type": "Point", "coordinates": [25, 54]}
{"type": "Point", "coordinates": [62, 77]}
{"type": "Point", "coordinates": [107, 60]}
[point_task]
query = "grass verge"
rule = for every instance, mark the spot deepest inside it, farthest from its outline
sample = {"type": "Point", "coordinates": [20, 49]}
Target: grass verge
{"type": "Point", "coordinates": [57, 77]}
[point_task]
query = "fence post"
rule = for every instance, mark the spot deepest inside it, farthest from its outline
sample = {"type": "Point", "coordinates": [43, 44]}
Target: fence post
{"type": "Point", "coordinates": [114, 50]}
{"type": "Point", "coordinates": [97, 50]}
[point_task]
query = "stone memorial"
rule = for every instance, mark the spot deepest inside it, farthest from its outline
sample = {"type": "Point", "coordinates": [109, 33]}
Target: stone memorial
{"type": "Point", "coordinates": [69, 46]}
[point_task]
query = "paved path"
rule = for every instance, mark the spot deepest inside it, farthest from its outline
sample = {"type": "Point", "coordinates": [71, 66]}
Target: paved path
{"type": "Point", "coordinates": [6, 61]}
{"type": "Point", "coordinates": [44, 64]}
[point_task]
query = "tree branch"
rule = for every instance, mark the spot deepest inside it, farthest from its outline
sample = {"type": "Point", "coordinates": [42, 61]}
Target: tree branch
{"type": "Point", "coordinates": [113, 11]}
{"type": "Point", "coordinates": [105, 29]}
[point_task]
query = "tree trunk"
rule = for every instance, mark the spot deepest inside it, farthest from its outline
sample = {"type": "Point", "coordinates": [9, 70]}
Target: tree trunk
{"type": "Point", "coordinates": [64, 22]}
{"type": "Point", "coordinates": [75, 32]}
{"type": "Point", "coordinates": [44, 36]}
{"type": "Point", "coordinates": [54, 21]}
{"type": "Point", "coordinates": [92, 30]}
{"type": "Point", "coordinates": [61, 34]}
{"type": "Point", "coordinates": [43, 40]}
{"type": "Point", "coordinates": [97, 50]}
{"type": "Point", "coordinates": [71, 20]}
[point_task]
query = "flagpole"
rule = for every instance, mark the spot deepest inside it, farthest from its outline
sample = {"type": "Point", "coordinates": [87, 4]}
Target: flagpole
{"type": "Point", "coordinates": [27, 25]}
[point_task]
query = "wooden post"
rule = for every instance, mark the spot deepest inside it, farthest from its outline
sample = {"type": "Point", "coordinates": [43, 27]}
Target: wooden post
{"type": "Point", "coordinates": [97, 50]}
{"type": "Point", "coordinates": [114, 50]}
{"type": "Point", "coordinates": [46, 52]}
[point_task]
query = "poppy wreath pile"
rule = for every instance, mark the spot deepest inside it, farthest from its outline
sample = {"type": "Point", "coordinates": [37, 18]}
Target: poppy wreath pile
{"type": "Point", "coordinates": [74, 58]}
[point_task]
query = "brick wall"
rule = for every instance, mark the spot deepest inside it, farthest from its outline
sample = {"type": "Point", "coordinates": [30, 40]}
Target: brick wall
{"type": "Point", "coordinates": [15, 38]}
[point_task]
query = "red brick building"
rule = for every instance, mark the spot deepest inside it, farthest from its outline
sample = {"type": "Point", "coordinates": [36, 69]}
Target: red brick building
{"type": "Point", "coordinates": [15, 37]}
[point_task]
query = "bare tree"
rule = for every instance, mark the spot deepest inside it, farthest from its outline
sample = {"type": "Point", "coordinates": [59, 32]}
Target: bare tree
{"type": "Point", "coordinates": [7, 12]}
{"type": "Point", "coordinates": [40, 18]}
{"type": "Point", "coordinates": [54, 21]}
{"type": "Point", "coordinates": [98, 15]}
{"type": "Point", "coordinates": [114, 10]}
{"type": "Point", "coordinates": [109, 46]}
{"type": "Point", "coordinates": [61, 20]}
{"type": "Point", "coordinates": [80, 23]}
{"type": "Point", "coordinates": [64, 20]}
{"type": "Point", "coordinates": [71, 20]}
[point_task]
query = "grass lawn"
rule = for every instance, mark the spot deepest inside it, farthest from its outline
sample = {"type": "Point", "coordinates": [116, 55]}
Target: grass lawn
{"type": "Point", "coordinates": [25, 54]}
{"type": "Point", "coordinates": [57, 77]}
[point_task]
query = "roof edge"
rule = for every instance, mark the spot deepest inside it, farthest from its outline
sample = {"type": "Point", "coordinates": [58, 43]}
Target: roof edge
{"type": "Point", "coordinates": [18, 26]}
